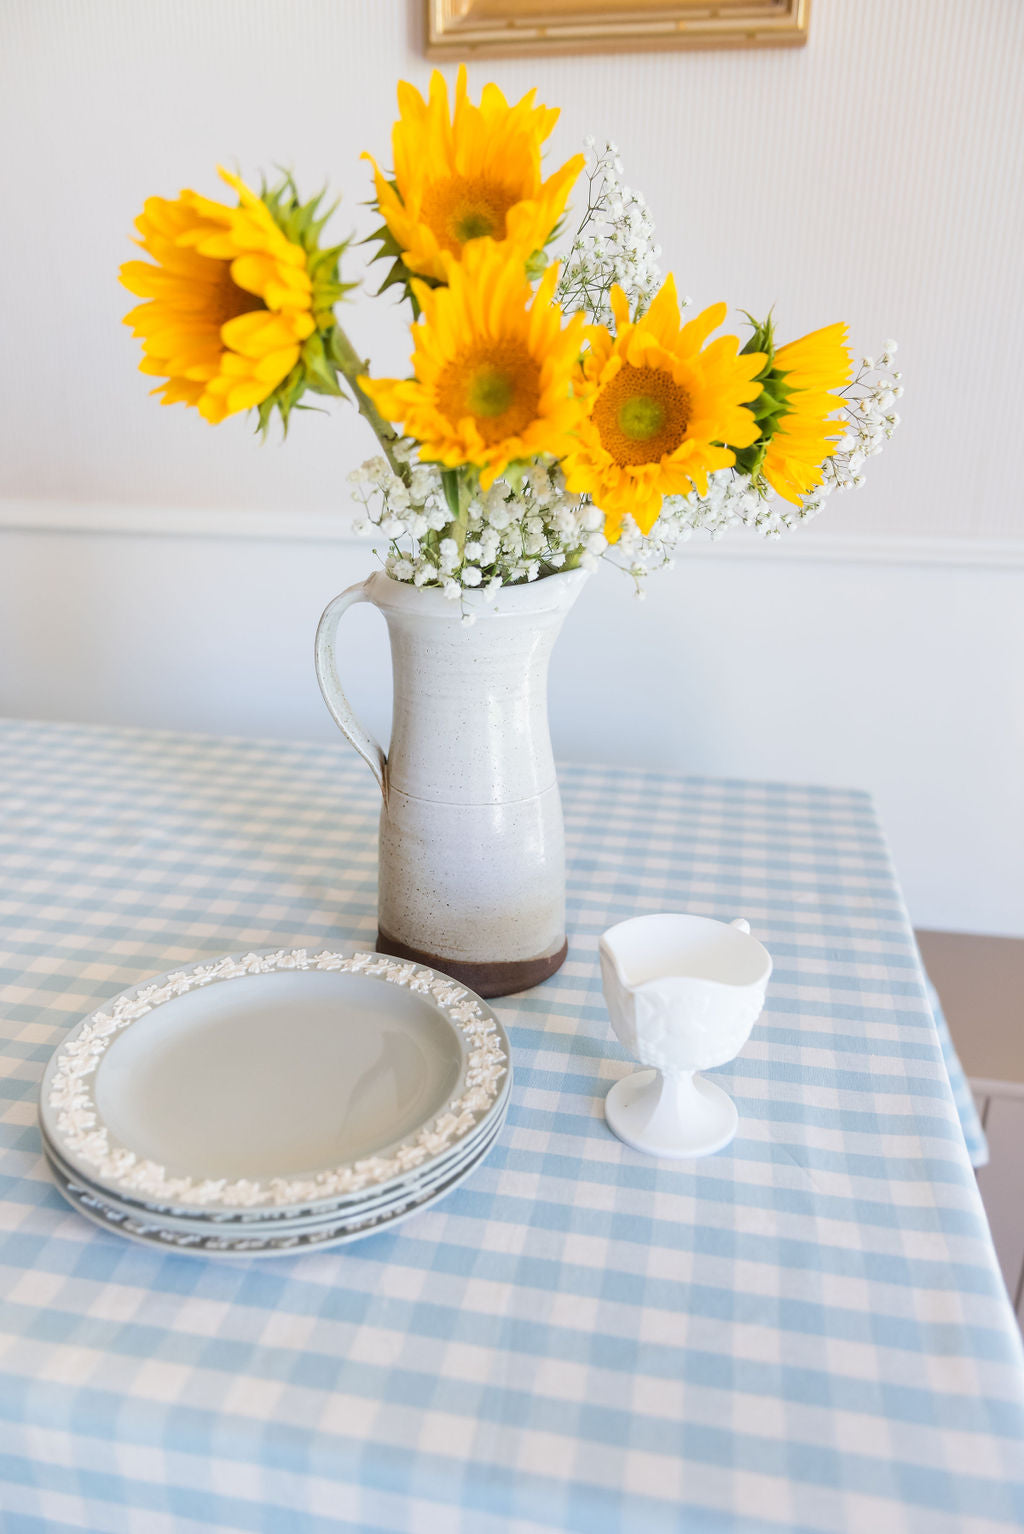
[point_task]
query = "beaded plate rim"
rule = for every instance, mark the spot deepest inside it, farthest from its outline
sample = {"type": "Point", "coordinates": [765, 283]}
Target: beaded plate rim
{"type": "Point", "coordinates": [78, 1131]}
{"type": "Point", "coordinates": [253, 1241]}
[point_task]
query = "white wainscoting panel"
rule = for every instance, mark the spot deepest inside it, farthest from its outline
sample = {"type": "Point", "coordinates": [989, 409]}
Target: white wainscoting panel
{"type": "Point", "coordinates": [810, 660]}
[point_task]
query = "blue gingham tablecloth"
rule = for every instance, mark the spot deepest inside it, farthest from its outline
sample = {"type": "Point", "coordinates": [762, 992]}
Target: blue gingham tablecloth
{"type": "Point", "coordinates": [806, 1332]}
{"type": "Point", "coordinates": [966, 1107]}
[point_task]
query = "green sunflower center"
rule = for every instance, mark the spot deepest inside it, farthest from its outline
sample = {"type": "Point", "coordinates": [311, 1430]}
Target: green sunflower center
{"type": "Point", "coordinates": [641, 415]}
{"type": "Point", "coordinates": [490, 391]}
{"type": "Point", "coordinates": [473, 225]}
{"type": "Point", "coordinates": [465, 208]}
{"type": "Point", "coordinates": [498, 384]}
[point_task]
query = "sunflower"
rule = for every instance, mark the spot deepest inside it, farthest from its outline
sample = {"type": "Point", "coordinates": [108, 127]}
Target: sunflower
{"type": "Point", "coordinates": [470, 175]}
{"type": "Point", "coordinates": [236, 312]}
{"type": "Point", "coordinates": [493, 368]}
{"type": "Point", "coordinates": [661, 409]}
{"type": "Point", "coordinates": [799, 438]}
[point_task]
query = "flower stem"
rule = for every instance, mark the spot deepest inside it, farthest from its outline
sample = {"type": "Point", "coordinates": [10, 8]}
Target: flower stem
{"type": "Point", "coordinates": [458, 494]}
{"type": "Point", "coordinates": [351, 366]}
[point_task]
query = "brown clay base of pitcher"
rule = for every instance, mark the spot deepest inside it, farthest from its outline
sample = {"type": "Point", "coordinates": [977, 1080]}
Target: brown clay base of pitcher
{"type": "Point", "coordinates": [496, 979]}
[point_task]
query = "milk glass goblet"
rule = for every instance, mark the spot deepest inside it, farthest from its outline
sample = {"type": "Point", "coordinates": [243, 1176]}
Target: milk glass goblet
{"type": "Point", "coordinates": [683, 993]}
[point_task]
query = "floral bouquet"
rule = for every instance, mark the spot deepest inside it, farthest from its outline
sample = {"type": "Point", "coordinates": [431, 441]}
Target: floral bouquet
{"type": "Point", "coordinates": [558, 410]}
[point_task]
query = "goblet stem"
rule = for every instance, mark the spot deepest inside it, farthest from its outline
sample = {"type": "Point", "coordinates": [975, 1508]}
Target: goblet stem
{"type": "Point", "coordinates": [671, 1114]}
{"type": "Point", "coordinates": [675, 1103]}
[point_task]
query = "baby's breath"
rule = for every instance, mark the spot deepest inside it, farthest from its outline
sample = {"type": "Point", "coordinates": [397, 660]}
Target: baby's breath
{"type": "Point", "coordinates": [614, 243]}
{"type": "Point", "coordinates": [870, 418]}
{"type": "Point", "coordinates": [524, 527]}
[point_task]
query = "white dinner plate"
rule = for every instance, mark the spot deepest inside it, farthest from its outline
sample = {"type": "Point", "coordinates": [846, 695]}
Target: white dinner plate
{"type": "Point", "coordinates": [351, 1204]}
{"type": "Point", "coordinates": [137, 1227]}
{"type": "Point", "coordinates": [280, 1081]}
{"type": "Point", "coordinates": [353, 1214]}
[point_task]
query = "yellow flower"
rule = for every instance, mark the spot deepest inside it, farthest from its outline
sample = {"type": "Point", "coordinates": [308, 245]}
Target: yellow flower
{"type": "Point", "coordinates": [236, 311]}
{"type": "Point", "coordinates": [474, 174]}
{"type": "Point", "coordinates": [493, 368]}
{"type": "Point", "coordinates": [810, 369]}
{"type": "Point", "coordinates": [661, 409]}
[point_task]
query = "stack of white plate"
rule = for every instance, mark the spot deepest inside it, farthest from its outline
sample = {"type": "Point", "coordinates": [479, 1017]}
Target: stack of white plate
{"type": "Point", "coordinates": [264, 1103]}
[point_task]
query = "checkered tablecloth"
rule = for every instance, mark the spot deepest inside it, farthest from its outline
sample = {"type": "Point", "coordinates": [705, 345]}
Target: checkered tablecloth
{"type": "Point", "coordinates": [806, 1332]}
{"type": "Point", "coordinates": [966, 1107]}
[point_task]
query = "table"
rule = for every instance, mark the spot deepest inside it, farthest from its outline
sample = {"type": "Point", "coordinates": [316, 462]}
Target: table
{"type": "Point", "coordinates": [806, 1332]}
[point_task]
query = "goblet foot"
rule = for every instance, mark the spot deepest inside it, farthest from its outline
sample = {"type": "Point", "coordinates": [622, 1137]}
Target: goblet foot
{"type": "Point", "coordinates": [673, 1116]}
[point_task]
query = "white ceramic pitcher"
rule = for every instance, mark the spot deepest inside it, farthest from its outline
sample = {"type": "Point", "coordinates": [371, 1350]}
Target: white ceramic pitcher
{"type": "Point", "coordinates": [683, 993]}
{"type": "Point", "coordinates": [472, 864]}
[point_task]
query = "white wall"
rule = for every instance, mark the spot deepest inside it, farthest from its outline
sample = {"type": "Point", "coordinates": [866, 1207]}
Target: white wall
{"type": "Point", "coordinates": [874, 176]}
{"type": "Point", "coordinates": [876, 668]}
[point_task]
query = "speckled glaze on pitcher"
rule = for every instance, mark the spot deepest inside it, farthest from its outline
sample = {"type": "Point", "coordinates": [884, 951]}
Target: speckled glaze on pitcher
{"type": "Point", "coordinates": [472, 862]}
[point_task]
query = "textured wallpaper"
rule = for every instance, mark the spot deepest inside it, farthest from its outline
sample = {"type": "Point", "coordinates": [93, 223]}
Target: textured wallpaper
{"type": "Point", "coordinates": [874, 175]}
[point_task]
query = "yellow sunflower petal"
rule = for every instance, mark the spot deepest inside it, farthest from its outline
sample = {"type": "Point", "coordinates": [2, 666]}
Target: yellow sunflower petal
{"type": "Point", "coordinates": [693, 335]}
{"type": "Point", "coordinates": [663, 315]}
{"type": "Point", "coordinates": [619, 307]}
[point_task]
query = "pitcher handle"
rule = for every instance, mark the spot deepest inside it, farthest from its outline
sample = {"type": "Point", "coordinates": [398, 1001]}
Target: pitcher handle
{"type": "Point", "coordinates": [330, 684]}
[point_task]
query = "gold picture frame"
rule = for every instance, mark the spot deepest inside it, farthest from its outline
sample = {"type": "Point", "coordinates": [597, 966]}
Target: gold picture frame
{"type": "Point", "coordinates": [465, 29]}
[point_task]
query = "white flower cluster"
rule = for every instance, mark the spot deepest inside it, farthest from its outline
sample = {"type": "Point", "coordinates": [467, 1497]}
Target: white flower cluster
{"type": "Point", "coordinates": [871, 419]}
{"type": "Point", "coordinates": [614, 243]}
{"type": "Point", "coordinates": [731, 501]}
{"type": "Point", "coordinates": [523, 527]}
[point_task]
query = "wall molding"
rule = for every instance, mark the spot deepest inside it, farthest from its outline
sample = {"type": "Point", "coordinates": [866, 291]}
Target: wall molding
{"type": "Point", "coordinates": [813, 544]}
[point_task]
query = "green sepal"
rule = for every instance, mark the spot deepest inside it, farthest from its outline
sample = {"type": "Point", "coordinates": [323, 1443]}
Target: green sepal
{"type": "Point", "coordinates": [398, 275]}
{"type": "Point", "coordinates": [320, 373]}
{"type": "Point", "coordinates": [328, 288]}
{"type": "Point", "coordinates": [284, 399]}
{"type": "Point", "coordinates": [771, 404]}
{"type": "Point", "coordinates": [303, 223]}
{"type": "Point", "coordinates": [762, 337]}
{"type": "Point", "coordinates": [750, 459]}
{"type": "Point", "coordinates": [297, 221]}
{"type": "Point", "coordinates": [537, 265]}
{"type": "Point", "coordinates": [385, 239]}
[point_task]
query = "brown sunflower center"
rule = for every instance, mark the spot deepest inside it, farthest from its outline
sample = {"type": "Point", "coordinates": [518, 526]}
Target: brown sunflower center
{"type": "Point", "coordinates": [465, 208]}
{"type": "Point", "coordinates": [497, 384]}
{"type": "Point", "coordinates": [227, 300]}
{"type": "Point", "coordinates": [641, 415]}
